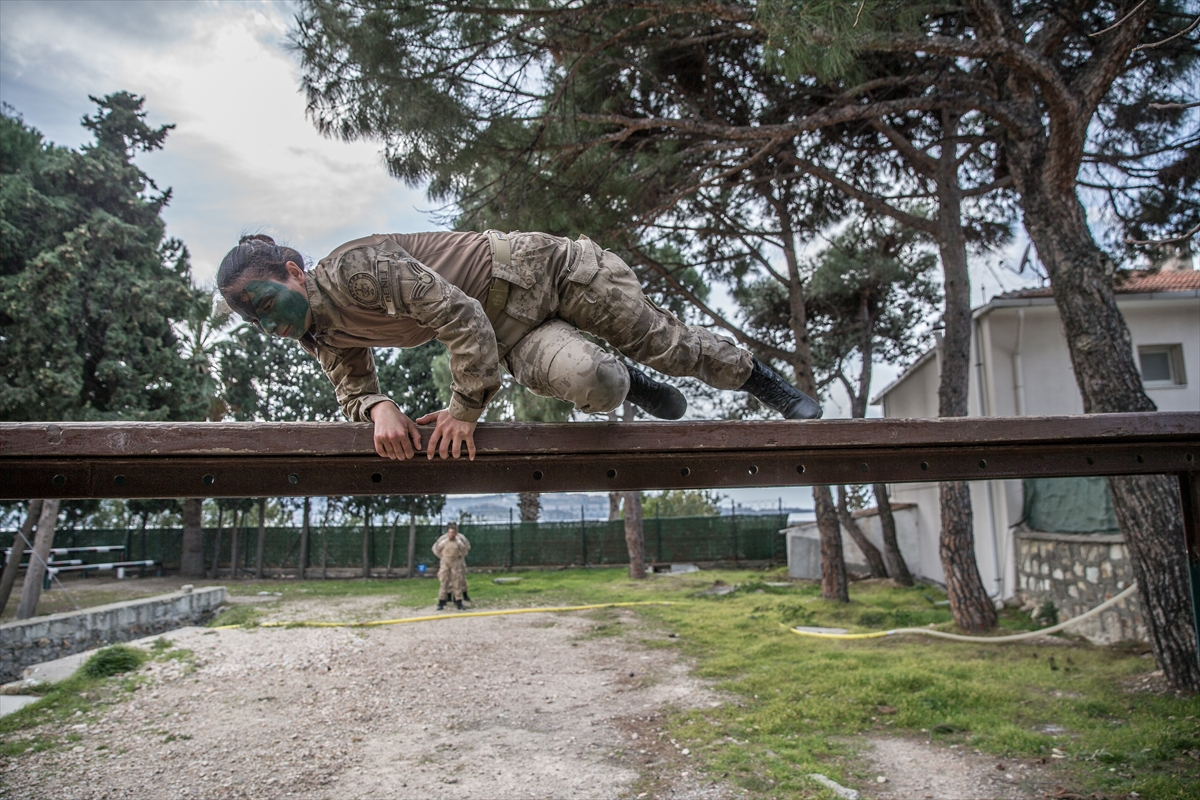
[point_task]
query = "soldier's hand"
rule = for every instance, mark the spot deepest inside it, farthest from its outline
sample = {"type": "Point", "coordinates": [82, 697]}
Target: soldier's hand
{"type": "Point", "coordinates": [396, 436]}
{"type": "Point", "coordinates": [449, 435]}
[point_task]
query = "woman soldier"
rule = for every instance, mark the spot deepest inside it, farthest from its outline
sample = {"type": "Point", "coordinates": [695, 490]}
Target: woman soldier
{"type": "Point", "coordinates": [521, 300]}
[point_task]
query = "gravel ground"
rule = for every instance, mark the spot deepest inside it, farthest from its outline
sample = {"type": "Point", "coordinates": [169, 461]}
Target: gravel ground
{"type": "Point", "coordinates": [917, 770]}
{"type": "Point", "coordinates": [526, 706]}
{"type": "Point", "coordinates": [500, 707]}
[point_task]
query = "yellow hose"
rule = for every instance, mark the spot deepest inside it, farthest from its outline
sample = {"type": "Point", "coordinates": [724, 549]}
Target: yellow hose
{"type": "Point", "coordinates": [958, 637]}
{"type": "Point", "coordinates": [432, 617]}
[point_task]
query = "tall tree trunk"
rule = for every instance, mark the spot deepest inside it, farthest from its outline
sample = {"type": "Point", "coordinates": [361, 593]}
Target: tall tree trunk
{"type": "Point", "coordinates": [834, 585]}
{"type": "Point", "coordinates": [1147, 506]}
{"type": "Point", "coordinates": [238, 516]}
{"type": "Point", "coordinates": [891, 547]}
{"type": "Point", "coordinates": [833, 563]}
{"type": "Point", "coordinates": [529, 506]}
{"type": "Point", "coordinates": [870, 552]}
{"type": "Point", "coordinates": [31, 592]}
{"type": "Point", "coordinates": [614, 505]}
{"type": "Point", "coordinates": [217, 545]}
{"type": "Point", "coordinates": [304, 528]}
{"type": "Point", "coordinates": [391, 548]}
{"type": "Point", "coordinates": [957, 550]}
{"type": "Point", "coordinates": [969, 602]}
{"type": "Point", "coordinates": [635, 540]}
{"type": "Point", "coordinates": [262, 538]}
{"type": "Point", "coordinates": [411, 572]}
{"type": "Point", "coordinates": [366, 540]}
{"type": "Point", "coordinates": [22, 540]}
{"type": "Point", "coordinates": [325, 542]}
{"type": "Point", "coordinates": [191, 561]}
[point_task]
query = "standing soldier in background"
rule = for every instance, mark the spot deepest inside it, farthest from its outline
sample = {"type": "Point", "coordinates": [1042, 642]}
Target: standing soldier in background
{"type": "Point", "coordinates": [451, 549]}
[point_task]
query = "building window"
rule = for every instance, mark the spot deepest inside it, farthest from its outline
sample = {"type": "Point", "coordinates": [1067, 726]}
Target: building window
{"type": "Point", "coordinates": [1162, 365]}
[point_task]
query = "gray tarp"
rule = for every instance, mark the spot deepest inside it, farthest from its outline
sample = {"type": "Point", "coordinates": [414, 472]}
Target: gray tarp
{"type": "Point", "coordinates": [1069, 505]}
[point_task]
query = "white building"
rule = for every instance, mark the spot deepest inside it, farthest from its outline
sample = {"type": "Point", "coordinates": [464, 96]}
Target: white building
{"type": "Point", "coordinates": [1021, 367]}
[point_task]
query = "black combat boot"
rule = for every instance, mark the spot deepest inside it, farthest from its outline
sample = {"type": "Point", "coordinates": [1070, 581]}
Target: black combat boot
{"type": "Point", "coordinates": [774, 392]}
{"type": "Point", "coordinates": [458, 604]}
{"type": "Point", "coordinates": [656, 399]}
{"type": "Point", "coordinates": [441, 605]}
{"type": "Point", "coordinates": [467, 596]}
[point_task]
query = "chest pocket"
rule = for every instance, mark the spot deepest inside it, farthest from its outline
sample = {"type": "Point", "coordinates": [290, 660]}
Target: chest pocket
{"type": "Point", "coordinates": [368, 276]}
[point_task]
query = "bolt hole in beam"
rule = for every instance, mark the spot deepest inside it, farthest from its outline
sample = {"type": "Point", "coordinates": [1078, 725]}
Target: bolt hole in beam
{"type": "Point", "coordinates": [983, 463]}
{"type": "Point", "coordinates": [685, 471]}
{"type": "Point", "coordinates": [377, 477]}
{"type": "Point", "coordinates": [753, 469]}
{"type": "Point", "coordinates": [119, 480]}
{"type": "Point", "coordinates": [209, 480]}
{"type": "Point", "coordinates": [293, 478]}
{"type": "Point", "coordinates": [1189, 458]}
{"type": "Point", "coordinates": [612, 473]}
{"type": "Point", "coordinates": [1141, 460]}
{"type": "Point", "coordinates": [924, 465]}
{"type": "Point", "coordinates": [1091, 460]}
{"type": "Point", "coordinates": [537, 474]}
{"type": "Point", "coordinates": [862, 467]}
{"type": "Point", "coordinates": [800, 468]}
{"type": "Point", "coordinates": [60, 480]}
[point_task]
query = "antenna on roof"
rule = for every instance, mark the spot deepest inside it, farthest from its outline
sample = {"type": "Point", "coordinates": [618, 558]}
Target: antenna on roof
{"type": "Point", "coordinates": [1034, 266]}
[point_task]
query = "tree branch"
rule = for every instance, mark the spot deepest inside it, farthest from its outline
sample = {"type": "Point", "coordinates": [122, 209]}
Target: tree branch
{"type": "Point", "coordinates": [1181, 238]}
{"type": "Point", "coordinates": [867, 199]}
{"type": "Point", "coordinates": [716, 317]}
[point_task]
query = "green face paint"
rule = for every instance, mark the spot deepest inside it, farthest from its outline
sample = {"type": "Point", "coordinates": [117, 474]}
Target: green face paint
{"type": "Point", "coordinates": [281, 310]}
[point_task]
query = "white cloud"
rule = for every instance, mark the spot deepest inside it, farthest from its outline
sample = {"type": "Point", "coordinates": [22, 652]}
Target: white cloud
{"type": "Point", "coordinates": [242, 156]}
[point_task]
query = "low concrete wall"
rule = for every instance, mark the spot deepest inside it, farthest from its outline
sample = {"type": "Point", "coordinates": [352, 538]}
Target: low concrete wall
{"type": "Point", "coordinates": [804, 542]}
{"type": "Point", "coordinates": [1077, 572]}
{"type": "Point", "coordinates": [32, 641]}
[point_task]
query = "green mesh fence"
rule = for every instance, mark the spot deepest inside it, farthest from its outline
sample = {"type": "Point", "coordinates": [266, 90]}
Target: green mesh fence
{"type": "Point", "coordinates": [521, 544]}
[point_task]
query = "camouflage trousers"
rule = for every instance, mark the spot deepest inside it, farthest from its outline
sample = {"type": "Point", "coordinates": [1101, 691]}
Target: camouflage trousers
{"type": "Point", "coordinates": [452, 580]}
{"type": "Point", "coordinates": [563, 290]}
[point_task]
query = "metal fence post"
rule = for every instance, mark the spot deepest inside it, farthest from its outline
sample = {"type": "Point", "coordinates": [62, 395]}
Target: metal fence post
{"type": "Point", "coordinates": [511, 557]}
{"type": "Point", "coordinates": [733, 529]}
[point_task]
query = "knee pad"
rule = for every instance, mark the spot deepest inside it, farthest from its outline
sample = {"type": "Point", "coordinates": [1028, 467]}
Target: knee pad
{"type": "Point", "coordinates": [607, 389]}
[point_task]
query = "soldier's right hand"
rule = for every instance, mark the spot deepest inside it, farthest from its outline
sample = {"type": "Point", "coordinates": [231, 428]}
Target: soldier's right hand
{"type": "Point", "coordinates": [396, 436]}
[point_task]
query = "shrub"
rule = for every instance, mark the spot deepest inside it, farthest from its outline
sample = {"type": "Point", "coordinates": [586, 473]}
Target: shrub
{"type": "Point", "coordinates": [113, 660]}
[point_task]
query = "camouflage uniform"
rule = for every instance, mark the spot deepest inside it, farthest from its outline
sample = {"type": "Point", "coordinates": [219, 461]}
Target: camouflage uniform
{"type": "Point", "coordinates": [373, 293]}
{"type": "Point", "coordinates": [452, 572]}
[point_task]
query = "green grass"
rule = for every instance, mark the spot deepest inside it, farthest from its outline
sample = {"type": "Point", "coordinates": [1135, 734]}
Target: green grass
{"type": "Point", "coordinates": [103, 680]}
{"type": "Point", "coordinates": [114, 660]}
{"type": "Point", "coordinates": [799, 700]}
{"type": "Point", "coordinates": [247, 616]}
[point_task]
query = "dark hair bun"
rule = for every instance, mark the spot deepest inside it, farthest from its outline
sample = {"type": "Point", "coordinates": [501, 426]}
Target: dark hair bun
{"type": "Point", "coordinates": [256, 237]}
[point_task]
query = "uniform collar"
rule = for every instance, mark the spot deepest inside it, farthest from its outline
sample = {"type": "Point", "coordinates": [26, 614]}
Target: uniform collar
{"type": "Point", "coordinates": [325, 317]}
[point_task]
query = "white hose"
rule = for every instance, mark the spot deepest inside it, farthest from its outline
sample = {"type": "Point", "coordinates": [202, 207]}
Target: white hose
{"type": "Point", "coordinates": [958, 637]}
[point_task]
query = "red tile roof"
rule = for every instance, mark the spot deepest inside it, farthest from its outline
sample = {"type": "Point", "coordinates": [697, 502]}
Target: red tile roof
{"type": "Point", "coordinates": [1140, 281]}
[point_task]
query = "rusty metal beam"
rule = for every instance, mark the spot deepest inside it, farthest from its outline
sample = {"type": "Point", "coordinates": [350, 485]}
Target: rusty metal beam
{"type": "Point", "coordinates": [81, 460]}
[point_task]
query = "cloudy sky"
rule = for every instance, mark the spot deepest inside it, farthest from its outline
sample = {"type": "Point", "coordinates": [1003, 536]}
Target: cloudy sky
{"type": "Point", "coordinates": [242, 157]}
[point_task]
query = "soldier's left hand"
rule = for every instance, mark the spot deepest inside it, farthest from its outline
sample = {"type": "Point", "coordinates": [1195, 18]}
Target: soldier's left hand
{"type": "Point", "coordinates": [449, 435]}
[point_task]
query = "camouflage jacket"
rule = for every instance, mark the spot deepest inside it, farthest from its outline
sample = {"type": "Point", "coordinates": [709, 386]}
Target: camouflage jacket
{"type": "Point", "coordinates": [372, 293]}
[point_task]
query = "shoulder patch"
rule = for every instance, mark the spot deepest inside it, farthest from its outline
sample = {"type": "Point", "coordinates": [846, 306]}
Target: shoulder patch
{"type": "Point", "coordinates": [364, 288]}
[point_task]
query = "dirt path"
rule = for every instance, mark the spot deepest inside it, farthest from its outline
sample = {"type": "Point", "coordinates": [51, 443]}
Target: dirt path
{"type": "Point", "coordinates": [521, 706]}
{"type": "Point", "coordinates": [919, 770]}
{"type": "Point", "coordinates": [527, 706]}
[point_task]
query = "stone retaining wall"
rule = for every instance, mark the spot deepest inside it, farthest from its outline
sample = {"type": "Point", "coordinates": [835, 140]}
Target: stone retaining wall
{"type": "Point", "coordinates": [1077, 572]}
{"type": "Point", "coordinates": [33, 641]}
